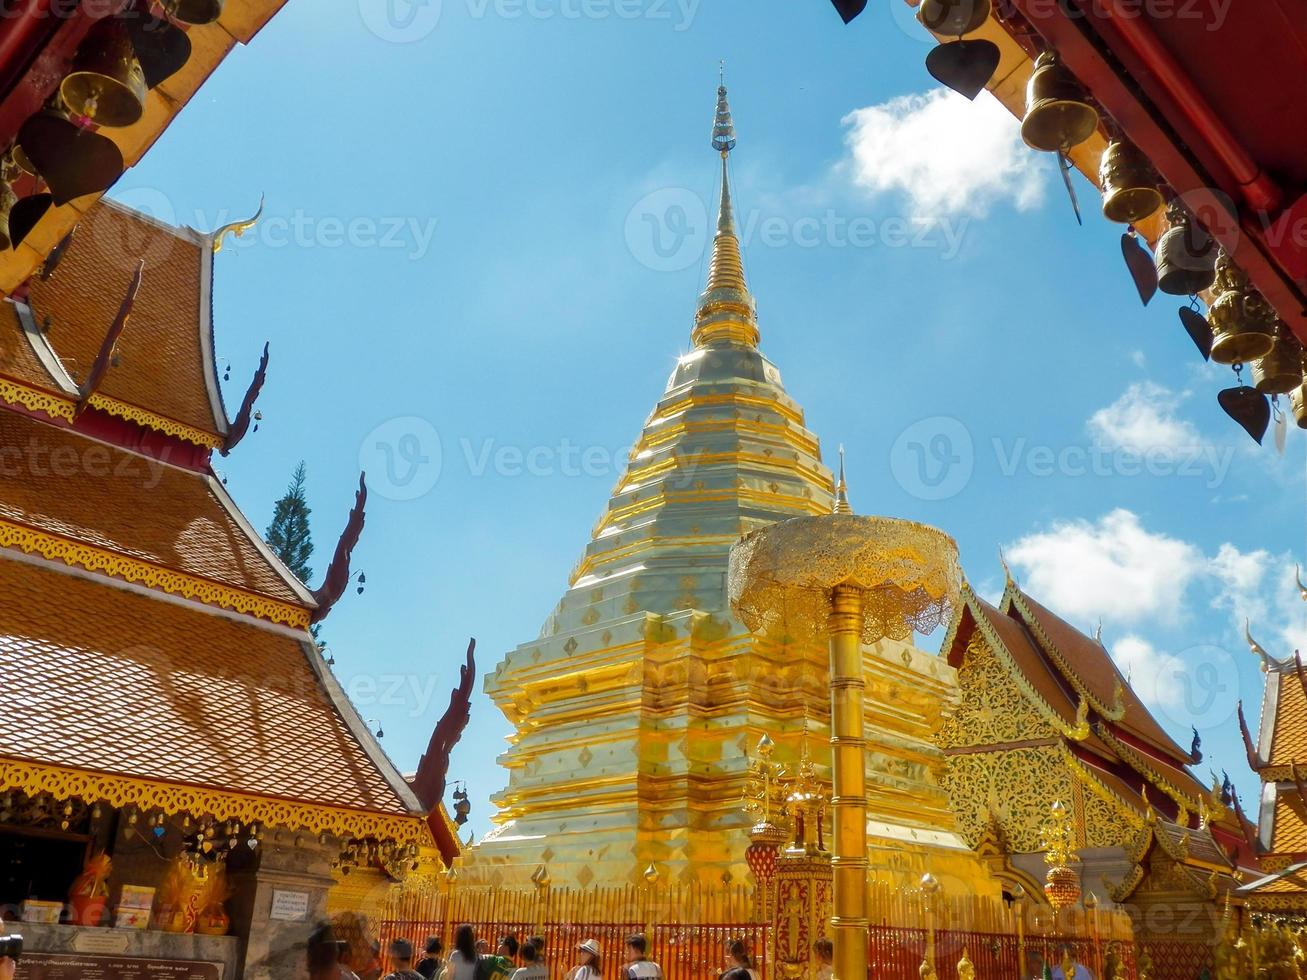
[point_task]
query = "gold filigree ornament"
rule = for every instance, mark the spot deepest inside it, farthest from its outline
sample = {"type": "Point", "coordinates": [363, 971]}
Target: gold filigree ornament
{"type": "Point", "coordinates": [781, 576]}
{"type": "Point", "coordinates": [175, 799]}
{"type": "Point", "coordinates": [34, 400]}
{"type": "Point", "coordinates": [171, 427]}
{"type": "Point", "coordinates": [154, 576]}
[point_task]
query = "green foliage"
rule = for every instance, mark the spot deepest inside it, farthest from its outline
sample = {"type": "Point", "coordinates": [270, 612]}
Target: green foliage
{"type": "Point", "coordinates": [288, 535]}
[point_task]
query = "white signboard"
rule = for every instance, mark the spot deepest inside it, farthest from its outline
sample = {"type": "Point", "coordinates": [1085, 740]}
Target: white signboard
{"type": "Point", "coordinates": [289, 906]}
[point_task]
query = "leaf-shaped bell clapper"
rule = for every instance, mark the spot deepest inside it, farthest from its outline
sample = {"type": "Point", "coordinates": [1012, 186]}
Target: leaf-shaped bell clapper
{"type": "Point", "coordinates": [1249, 407]}
{"type": "Point", "coordinates": [1186, 255]}
{"type": "Point", "coordinates": [107, 83]}
{"type": "Point", "coordinates": [7, 201]}
{"type": "Point", "coordinates": [1280, 371]}
{"type": "Point", "coordinates": [1129, 184]}
{"type": "Point", "coordinates": [964, 66]}
{"type": "Point", "coordinates": [1058, 114]}
{"type": "Point", "coordinates": [71, 159]}
{"type": "Point", "coordinates": [1243, 323]}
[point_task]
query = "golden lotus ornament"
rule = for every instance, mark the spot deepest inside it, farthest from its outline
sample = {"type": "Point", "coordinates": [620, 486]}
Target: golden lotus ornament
{"type": "Point", "coordinates": [1129, 184]}
{"type": "Point", "coordinates": [1243, 323]}
{"type": "Point", "coordinates": [1280, 371]}
{"type": "Point", "coordinates": [1058, 115]}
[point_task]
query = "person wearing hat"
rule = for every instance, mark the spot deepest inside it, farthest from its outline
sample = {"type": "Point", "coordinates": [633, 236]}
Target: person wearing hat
{"type": "Point", "coordinates": [588, 963]}
{"type": "Point", "coordinates": [401, 957]}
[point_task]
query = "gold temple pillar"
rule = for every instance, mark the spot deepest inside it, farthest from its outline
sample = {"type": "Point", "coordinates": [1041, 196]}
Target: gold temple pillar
{"type": "Point", "coordinates": [849, 783]}
{"type": "Point", "coordinates": [849, 580]}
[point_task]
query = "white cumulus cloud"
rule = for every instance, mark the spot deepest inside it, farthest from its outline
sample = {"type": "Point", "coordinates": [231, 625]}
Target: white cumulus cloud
{"type": "Point", "coordinates": [1115, 568]}
{"type": "Point", "coordinates": [947, 155]}
{"type": "Point", "coordinates": [1144, 419]}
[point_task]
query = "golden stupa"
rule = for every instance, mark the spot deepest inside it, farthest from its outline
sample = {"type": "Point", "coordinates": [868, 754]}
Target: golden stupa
{"type": "Point", "coordinates": [638, 704]}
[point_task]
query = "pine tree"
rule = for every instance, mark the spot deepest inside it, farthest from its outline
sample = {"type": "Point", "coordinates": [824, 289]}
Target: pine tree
{"type": "Point", "coordinates": [288, 535]}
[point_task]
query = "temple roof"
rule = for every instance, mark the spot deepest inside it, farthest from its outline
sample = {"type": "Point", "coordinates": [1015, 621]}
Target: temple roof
{"type": "Point", "coordinates": [107, 680]}
{"type": "Point", "coordinates": [165, 364]}
{"type": "Point", "coordinates": [88, 504]}
{"type": "Point", "coordinates": [1089, 668]}
{"type": "Point", "coordinates": [1072, 680]}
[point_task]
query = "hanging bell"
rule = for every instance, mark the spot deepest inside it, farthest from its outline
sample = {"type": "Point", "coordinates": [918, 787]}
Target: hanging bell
{"type": "Point", "coordinates": [1057, 115]}
{"type": "Point", "coordinates": [162, 48]}
{"type": "Point", "coordinates": [71, 160]}
{"type": "Point", "coordinates": [107, 83]}
{"type": "Point", "coordinates": [193, 11]}
{"type": "Point", "coordinates": [7, 201]}
{"type": "Point", "coordinates": [1298, 403]}
{"type": "Point", "coordinates": [953, 18]}
{"type": "Point", "coordinates": [1280, 371]}
{"type": "Point", "coordinates": [1243, 323]}
{"type": "Point", "coordinates": [1186, 255]}
{"type": "Point", "coordinates": [1129, 183]}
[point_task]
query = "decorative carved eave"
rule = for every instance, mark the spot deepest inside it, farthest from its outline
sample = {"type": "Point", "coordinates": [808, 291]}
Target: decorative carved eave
{"type": "Point", "coordinates": [1085, 775]}
{"type": "Point", "coordinates": [241, 424]}
{"type": "Point", "coordinates": [429, 781]}
{"type": "Point", "coordinates": [337, 577]}
{"type": "Point", "coordinates": [1077, 732]}
{"type": "Point", "coordinates": [1255, 762]}
{"type": "Point", "coordinates": [1013, 597]}
{"type": "Point", "coordinates": [1141, 764]}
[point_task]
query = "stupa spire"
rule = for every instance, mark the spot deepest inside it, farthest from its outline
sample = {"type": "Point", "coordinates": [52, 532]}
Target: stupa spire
{"type": "Point", "coordinates": [726, 309]}
{"type": "Point", "coordinates": [842, 505]}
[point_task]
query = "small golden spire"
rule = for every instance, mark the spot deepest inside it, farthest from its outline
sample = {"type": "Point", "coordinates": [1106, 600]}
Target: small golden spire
{"type": "Point", "coordinates": [726, 310]}
{"type": "Point", "coordinates": [842, 490]}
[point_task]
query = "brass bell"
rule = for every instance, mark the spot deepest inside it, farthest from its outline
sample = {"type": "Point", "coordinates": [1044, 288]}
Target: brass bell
{"type": "Point", "coordinates": [194, 11]}
{"type": "Point", "coordinates": [1298, 403]}
{"type": "Point", "coordinates": [1243, 323]}
{"type": "Point", "coordinates": [1057, 115]}
{"type": "Point", "coordinates": [107, 84]}
{"type": "Point", "coordinates": [1280, 371]}
{"type": "Point", "coordinates": [1186, 256]}
{"type": "Point", "coordinates": [7, 201]}
{"type": "Point", "coordinates": [71, 160]}
{"type": "Point", "coordinates": [1130, 191]}
{"type": "Point", "coordinates": [953, 18]}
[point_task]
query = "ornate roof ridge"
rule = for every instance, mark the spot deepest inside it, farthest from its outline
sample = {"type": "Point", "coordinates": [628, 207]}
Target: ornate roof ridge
{"type": "Point", "coordinates": [1015, 598]}
{"type": "Point", "coordinates": [1188, 803]}
{"type": "Point", "coordinates": [1077, 733]}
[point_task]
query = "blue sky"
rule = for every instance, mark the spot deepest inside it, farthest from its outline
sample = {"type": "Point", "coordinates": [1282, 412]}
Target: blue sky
{"type": "Point", "coordinates": [459, 278]}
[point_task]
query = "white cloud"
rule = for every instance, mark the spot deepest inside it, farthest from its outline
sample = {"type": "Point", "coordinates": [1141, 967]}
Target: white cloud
{"type": "Point", "coordinates": [1144, 419]}
{"type": "Point", "coordinates": [1138, 358]}
{"type": "Point", "coordinates": [1119, 571]}
{"type": "Point", "coordinates": [948, 155]}
{"type": "Point", "coordinates": [1152, 672]}
{"type": "Point", "coordinates": [1115, 569]}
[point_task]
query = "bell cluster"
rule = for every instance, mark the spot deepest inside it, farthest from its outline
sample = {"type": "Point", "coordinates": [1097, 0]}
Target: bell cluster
{"type": "Point", "coordinates": [1240, 327]}
{"type": "Point", "coordinates": [395, 859]}
{"type": "Point", "coordinates": [60, 153]}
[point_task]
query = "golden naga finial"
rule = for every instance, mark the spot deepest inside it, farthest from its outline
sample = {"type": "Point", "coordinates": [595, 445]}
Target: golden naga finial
{"type": "Point", "coordinates": [1098, 632]}
{"type": "Point", "coordinates": [1080, 731]}
{"type": "Point", "coordinates": [1255, 647]}
{"type": "Point", "coordinates": [842, 505]}
{"type": "Point", "coordinates": [1297, 575]}
{"type": "Point", "coordinates": [1007, 572]}
{"type": "Point", "coordinates": [237, 228]}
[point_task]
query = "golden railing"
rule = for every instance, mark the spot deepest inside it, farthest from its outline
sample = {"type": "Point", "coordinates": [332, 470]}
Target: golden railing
{"type": "Point", "coordinates": [688, 926]}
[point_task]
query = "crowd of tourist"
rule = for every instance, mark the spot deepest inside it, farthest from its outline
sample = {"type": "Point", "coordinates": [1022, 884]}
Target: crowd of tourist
{"type": "Point", "coordinates": [470, 958]}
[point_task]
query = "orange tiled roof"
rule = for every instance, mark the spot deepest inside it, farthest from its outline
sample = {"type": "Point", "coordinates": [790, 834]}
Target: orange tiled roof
{"type": "Point", "coordinates": [102, 679]}
{"type": "Point", "coordinates": [1094, 668]}
{"type": "Point", "coordinates": [17, 359]}
{"type": "Point", "coordinates": [1288, 830]}
{"type": "Point", "coordinates": [64, 484]}
{"type": "Point", "coordinates": [1289, 735]}
{"type": "Point", "coordinates": [162, 351]}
